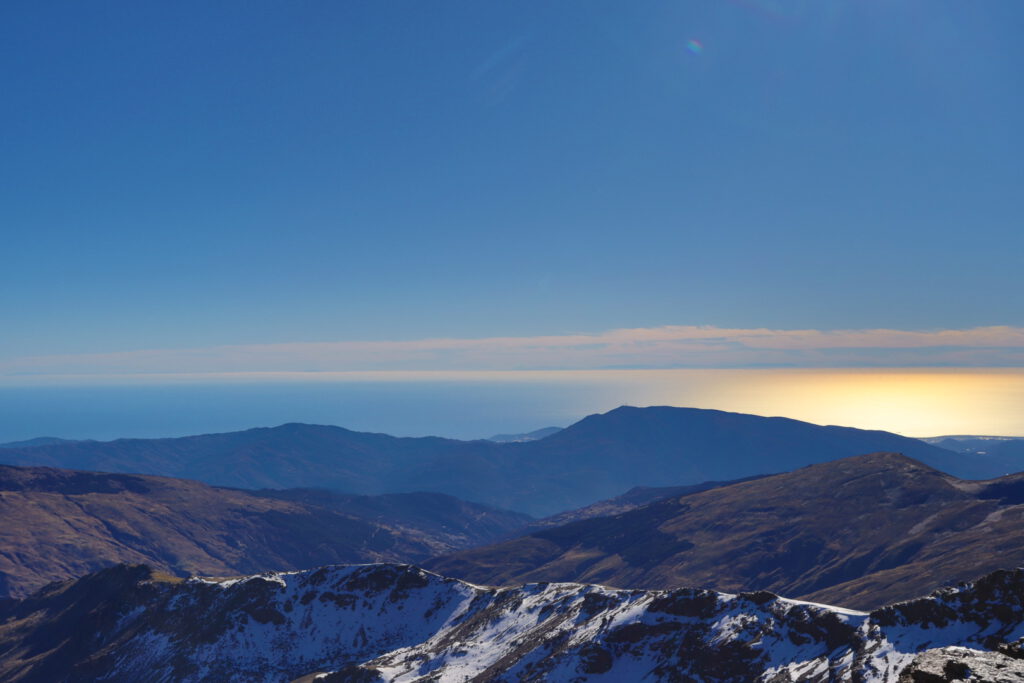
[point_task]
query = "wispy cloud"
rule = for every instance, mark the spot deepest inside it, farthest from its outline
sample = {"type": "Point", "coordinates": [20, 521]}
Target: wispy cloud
{"type": "Point", "coordinates": [657, 347]}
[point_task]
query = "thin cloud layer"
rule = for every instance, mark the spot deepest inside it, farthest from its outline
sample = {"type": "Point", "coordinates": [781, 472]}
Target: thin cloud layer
{"type": "Point", "coordinates": [658, 347]}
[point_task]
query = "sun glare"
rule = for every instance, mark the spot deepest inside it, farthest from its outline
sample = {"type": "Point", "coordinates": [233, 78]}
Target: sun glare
{"type": "Point", "coordinates": [914, 402]}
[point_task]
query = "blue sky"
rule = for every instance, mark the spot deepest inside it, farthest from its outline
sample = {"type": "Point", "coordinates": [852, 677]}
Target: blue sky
{"type": "Point", "coordinates": [196, 187]}
{"type": "Point", "coordinates": [184, 174]}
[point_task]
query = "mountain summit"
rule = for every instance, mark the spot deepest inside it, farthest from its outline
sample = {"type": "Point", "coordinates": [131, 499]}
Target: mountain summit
{"type": "Point", "coordinates": [598, 457]}
{"type": "Point", "coordinates": [860, 531]}
{"type": "Point", "coordinates": [388, 623]}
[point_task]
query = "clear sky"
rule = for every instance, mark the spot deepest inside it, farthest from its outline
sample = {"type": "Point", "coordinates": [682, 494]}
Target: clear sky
{"type": "Point", "coordinates": [208, 187]}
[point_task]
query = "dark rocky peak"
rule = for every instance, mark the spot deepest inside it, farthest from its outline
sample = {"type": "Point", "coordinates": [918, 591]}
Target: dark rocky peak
{"type": "Point", "coordinates": [391, 622]}
{"type": "Point", "coordinates": [962, 665]}
{"type": "Point", "coordinates": [994, 602]}
{"type": "Point", "coordinates": [85, 594]}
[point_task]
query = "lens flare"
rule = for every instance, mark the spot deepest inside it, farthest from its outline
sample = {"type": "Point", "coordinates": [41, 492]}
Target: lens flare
{"type": "Point", "coordinates": [694, 46]}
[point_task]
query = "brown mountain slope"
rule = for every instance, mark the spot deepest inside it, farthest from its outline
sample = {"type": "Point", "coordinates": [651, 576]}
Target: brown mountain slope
{"type": "Point", "coordinates": [862, 532]}
{"type": "Point", "coordinates": [62, 523]}
{"type": "Point", "coordinates": [630, 500]}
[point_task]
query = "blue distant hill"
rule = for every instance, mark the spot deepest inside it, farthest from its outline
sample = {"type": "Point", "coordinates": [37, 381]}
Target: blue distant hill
{"type": "Point", "coordinates": [38, 441]}
{"type": "Point", "coordinates": [599, 457]}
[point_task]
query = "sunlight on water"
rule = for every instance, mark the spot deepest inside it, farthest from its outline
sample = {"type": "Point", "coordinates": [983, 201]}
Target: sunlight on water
{"type": "Point", "coordinates": [914, 402]}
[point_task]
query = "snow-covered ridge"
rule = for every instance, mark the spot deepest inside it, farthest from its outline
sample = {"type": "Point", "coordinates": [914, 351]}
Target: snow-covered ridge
{"type": "Point", "coordinates": [401, 623]}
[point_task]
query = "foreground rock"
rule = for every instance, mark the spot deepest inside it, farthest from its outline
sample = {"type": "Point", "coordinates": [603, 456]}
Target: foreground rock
{"type": "Point", "coordinates": [954, 664]}
{"type": "Point", "coordinates": [399, 623]}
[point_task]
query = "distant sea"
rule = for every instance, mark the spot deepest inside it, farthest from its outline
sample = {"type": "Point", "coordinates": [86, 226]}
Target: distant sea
{"type": "Point", "coordinates": [457, 410]}
{"type": "Point", "coordinates": [913, 402]}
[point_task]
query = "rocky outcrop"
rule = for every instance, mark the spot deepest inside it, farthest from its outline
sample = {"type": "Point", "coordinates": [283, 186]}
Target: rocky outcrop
{"type": "Point", "coordinates": [399, 623]}
{"type": "Point", "coordinates": [962, 665]}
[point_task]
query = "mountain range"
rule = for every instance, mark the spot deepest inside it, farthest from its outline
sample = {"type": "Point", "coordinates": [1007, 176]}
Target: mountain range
{"type": "Point", "coordinates": [860, 531]}
{"type": "Point", "coordinates": [998, 449]}
{"type": "Point", "coordinates": [671, 575]}
{"type": "Point", "coordinates": [597, 458]}
{"type": "Point", "coordinates": [388, 623]}
{"type": "Point", "coordinates": [38, 441]}
{"type": "Point", "coordinates": [61, 523]}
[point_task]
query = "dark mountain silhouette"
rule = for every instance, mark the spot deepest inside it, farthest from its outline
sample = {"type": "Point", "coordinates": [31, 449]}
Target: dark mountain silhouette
{"type": "Point", "coordinates": [969, 443]}
{"type": "Point", "coordinates": [1007, 454]}
{"type": "Point", "coordinates": [63, 523]}
{"type": "Point", "coordinates": [38, 441]}
{"type": "Point", "coordinates": [289, 456]}
{"type": "Point", "coordinates": [995, 452]}
{"type": "Point", "coordinates": [860, 531]}
{"type": "Point", "coordinates": [597, 458]}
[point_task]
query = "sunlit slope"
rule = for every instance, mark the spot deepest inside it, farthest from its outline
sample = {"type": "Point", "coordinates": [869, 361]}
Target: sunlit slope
{"type": "Point", "coordinates": [860, 531]}
{"type": "Point", "coordinates": [62, 523]}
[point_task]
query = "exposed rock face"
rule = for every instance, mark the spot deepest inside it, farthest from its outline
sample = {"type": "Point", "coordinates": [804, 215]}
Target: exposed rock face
{"type": "Point", "coordinates": [398, 623]}
{"type": "Point", "coordinates": [961, 664]}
